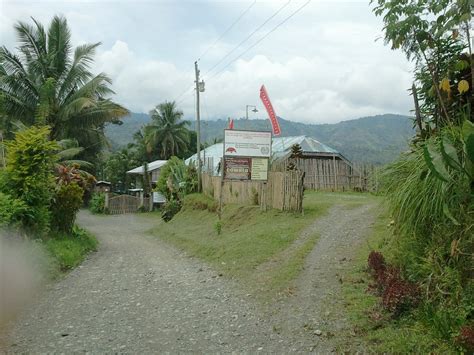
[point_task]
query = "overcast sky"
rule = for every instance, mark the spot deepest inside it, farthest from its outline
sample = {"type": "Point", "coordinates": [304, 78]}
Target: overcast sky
{"type": "Point", "coordinates": [322, 66]}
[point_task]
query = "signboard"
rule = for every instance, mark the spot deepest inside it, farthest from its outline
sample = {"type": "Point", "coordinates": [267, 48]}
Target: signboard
{"type": "Point", "coordinates": [247, 143]}
{"type": "Point", "coordinates": [259, 169]}
{"type": "Point", "coordinates": [236, 168]}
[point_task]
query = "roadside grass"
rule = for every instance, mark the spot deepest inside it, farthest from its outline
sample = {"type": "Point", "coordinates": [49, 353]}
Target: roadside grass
{"type": "Point", "coordinates": [69, 251]}
{"type": "Point", "coordinates": [381, 333]}
{"type": "Point", "coordinates": [250, 237]}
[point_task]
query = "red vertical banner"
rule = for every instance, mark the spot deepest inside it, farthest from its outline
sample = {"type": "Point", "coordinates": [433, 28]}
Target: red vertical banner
{"type": "Point", "coordinates": [271, 113]}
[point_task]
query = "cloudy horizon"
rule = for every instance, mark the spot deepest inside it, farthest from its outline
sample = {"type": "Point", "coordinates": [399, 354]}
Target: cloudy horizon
{"type": "Point", "coordinates": [322, 66]}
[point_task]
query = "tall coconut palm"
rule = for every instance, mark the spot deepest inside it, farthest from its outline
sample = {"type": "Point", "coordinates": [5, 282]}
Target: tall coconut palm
{"type": "Point", "coordinates": [167, 131]}
{"type": "Point", "coordinates": [46, 82]}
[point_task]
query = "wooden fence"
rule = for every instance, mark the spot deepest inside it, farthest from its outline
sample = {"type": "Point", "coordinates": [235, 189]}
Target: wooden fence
{"type": "Point", "coordinates": [283, 191]}
{"type": "Point", "coordinates": [333, 174]}
{"type": "Point", "coordinates": [122, 204]}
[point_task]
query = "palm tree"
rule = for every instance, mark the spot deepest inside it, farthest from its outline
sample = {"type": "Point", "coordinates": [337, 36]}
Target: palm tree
{"type": "Point", "coordinates": [167, 131]}
{"type": "Point", "coordinates": [46, 83]}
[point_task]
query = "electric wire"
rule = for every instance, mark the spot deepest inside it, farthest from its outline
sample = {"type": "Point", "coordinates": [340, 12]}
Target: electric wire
{"type": "Point", "coordinates": [248, 37]}
{"type": "Point", "coordinates": [261, 39]}
{"type": "Point", "coordinates": [184, 92]}
{"type": "Point", "coordinates": [227, 30]}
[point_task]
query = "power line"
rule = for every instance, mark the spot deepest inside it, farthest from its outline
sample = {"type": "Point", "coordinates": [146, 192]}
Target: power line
{"type": "Point", "coordinates": [261, 39]}
{"type": "Point", "coordinates": [249, 36]}
{"type": "Point", "coordinates": [184, 92]}
{"type": "Point", "coordinates": [227, 30]}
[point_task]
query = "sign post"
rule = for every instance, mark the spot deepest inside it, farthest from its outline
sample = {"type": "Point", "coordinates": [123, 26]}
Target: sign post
{"type": "Point", "coordinates": [246, 155]}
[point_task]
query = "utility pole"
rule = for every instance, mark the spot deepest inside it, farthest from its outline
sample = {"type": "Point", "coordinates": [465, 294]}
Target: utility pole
{"type": "Point", "coordinates": [199, 87]}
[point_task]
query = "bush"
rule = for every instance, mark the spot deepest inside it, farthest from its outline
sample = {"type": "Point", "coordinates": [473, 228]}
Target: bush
{"type": "Point", "coordinates": [29, 176]}
{"type": "Point", "coordinates": [169, 209]}
{"type": "Point", "coordinates": [176, 179]}
{"type": "Point", "coordinates": [69, 250]}
{"type": "Point", "coordinates": [67, 202]}
{"type": "Point", "coordinates": [97, 203]}
{"type": "Point", "coordinates": [11, 210]}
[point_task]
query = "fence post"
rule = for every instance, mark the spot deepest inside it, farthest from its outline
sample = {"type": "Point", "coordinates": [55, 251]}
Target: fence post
{"type": "Point", "coordinates": [106, 205]}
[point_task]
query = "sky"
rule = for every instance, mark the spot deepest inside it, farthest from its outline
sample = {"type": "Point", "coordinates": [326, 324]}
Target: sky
{"type": "Point", "coordinates": [325, 64]}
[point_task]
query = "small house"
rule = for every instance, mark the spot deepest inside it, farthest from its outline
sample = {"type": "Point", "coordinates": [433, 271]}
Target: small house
{"type": "Point", "coordinates": [154, 169]}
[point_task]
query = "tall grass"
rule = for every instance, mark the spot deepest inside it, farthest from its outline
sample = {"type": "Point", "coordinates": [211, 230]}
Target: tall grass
{"type": "Point", "coordinates": [434, 239]}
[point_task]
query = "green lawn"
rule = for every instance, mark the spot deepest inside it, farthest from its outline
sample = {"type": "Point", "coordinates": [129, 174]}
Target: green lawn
{"type": "Point", "coordinates": [249, 237]}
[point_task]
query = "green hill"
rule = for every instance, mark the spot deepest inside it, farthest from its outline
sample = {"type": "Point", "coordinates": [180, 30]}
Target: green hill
{"type": "Point", "coordinates": [377, 139]}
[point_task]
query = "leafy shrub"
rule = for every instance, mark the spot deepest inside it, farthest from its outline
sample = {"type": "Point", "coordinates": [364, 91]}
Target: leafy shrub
{"type": "Point", "coordinates": [169, 209]}
{"type": "Point", "coordinates": [11, 210]}
{"type": "Point", "coordinates": [176, 179]}
{"type": "Point", "coordinates": [29, 177]}
{"type": "Point", "coordinates": [97, 203]}
{"type": "Point", "coordinates": [69, 250]}
{"type": "Point", "coordinates": [66, 204]}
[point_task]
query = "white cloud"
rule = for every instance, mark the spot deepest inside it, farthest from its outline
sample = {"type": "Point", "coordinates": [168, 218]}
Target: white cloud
{"type": "Point", "coordinates": [322, 66]}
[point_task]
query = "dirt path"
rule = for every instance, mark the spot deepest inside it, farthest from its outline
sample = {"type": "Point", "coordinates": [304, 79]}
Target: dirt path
{"type": "Point", "coordinates": [138, 295]}
{"type": "Point", "coordinates": [316, 307]}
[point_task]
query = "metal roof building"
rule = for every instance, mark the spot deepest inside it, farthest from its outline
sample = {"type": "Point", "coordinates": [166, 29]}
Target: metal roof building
{"type": "Point", "coordinates": [281, 148]}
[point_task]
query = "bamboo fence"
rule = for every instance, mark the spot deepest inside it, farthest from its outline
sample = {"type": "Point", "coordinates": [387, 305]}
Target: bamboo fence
{"type": "Point", "coordinates": [282, 191]}
{"type": "Point", "coordinates": [122, 204]}
{"type": "Point", "coordinates": [332, 174]}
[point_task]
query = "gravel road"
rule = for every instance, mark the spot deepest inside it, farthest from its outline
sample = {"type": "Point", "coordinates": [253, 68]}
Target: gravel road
{"type": "Point", "coordinates": [139, 295]}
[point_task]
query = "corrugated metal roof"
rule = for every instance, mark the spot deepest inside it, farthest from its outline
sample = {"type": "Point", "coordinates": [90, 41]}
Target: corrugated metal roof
{"type": "Point", "coordinates": [151, 166]}
{"type": "Point", "coordinates": [280, 147]}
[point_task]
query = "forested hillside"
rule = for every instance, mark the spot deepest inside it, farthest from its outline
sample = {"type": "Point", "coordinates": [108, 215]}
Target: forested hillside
{"type": "Point", "coordinates": [376, 139]}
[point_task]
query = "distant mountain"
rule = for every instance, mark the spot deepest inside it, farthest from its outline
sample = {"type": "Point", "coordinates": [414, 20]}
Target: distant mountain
{"type": "Point", "coordinates": [377, 139]}
{"type": "Point", "coordinates": [120, 135]}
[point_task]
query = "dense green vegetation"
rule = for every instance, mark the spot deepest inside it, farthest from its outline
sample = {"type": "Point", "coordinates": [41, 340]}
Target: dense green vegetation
{"type": "Point", "coordinates": [53, 111]}
{"type": "Point", "coordinates": [423, 276]}
{"type": "Point", "coordinates": [165, 136]}
{"type": "Point", "coordinates": [377, 139]}
{"type": "Point", "coordinates": [375, 326]}
{"type": "Point", "coordinates": [48, 83]}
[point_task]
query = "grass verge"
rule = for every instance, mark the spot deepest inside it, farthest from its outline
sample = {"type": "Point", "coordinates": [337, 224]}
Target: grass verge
{"type": "Point", "coordinates": [249, 237]}
{"type": "Point", "coordinates": [382, 334]}
{"type": "Point", "coordinates": [69, 251]}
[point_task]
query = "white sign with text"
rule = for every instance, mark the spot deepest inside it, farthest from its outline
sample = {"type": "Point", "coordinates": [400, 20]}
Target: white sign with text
{"type": "Point", "coordinates": [247, 143]}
